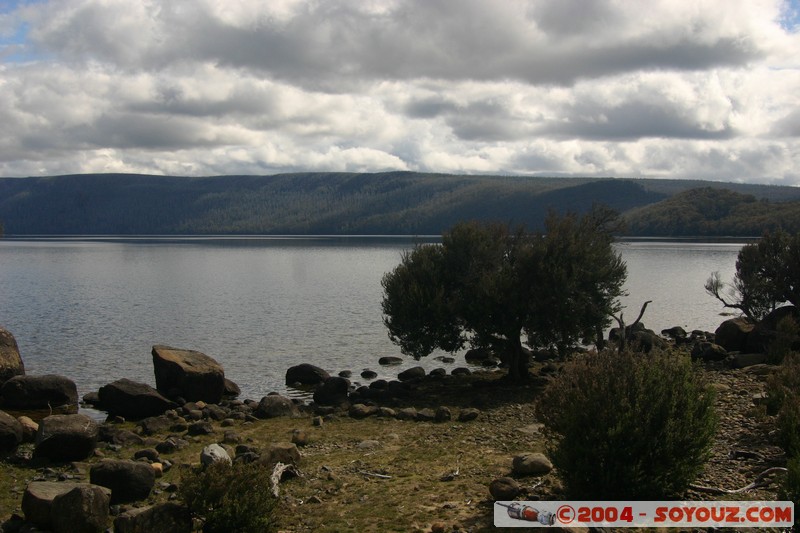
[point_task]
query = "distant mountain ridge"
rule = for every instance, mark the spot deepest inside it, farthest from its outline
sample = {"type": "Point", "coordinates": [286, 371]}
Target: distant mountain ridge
{"type": "Point", "coordinates": [391, 203]}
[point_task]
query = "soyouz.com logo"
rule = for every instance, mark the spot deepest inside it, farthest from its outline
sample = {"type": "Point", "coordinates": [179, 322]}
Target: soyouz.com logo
{"type": "Point", "coordinates": [644, 514]}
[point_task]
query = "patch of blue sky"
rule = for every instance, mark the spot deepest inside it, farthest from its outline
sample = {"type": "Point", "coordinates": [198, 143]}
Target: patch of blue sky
{"type": "Point", "coordinates": [790, 16]}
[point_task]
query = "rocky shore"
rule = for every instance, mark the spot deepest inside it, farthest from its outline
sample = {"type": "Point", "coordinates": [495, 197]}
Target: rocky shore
{"type": "Point", "coordinates": [425, 452]}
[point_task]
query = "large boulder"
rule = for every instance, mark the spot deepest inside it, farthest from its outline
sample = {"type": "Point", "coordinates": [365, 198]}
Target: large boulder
{"type": "Point", "coordinates": [133, 400]}
{"type": "Point", "coordinates": [10, 362]}
{"type": "Point", "coordinates": [766, 330]}
{"type": "Point", "coordinates": [166, 517]}
{"type": "Point", "coordinates": [129, 481]}
{"type": "Point", "coordinates": [10, 433]}
{"type": "Point", "coordinates": [275, 405]}
{"type": "Point", "coordinates": [306, 374]}
{"type": "Point", "coordinates": [732, 334]}
{"type": "Point", "coordinates": [39, 392]}
{"type": "Point", "coordinates": [83, 509]}
{"type": "Point", "coordinates": [332, 391]}
{"type": "Point", "coordinates": [411, 373]}
{"type": "Point", "coordinates": [37, 501]}
{"type": "Point", "coordinates": [66, 438]}
{"type": "Point", "coordinates": [189, 374]}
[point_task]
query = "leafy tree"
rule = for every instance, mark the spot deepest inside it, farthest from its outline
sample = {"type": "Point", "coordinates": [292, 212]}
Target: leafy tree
{"type": "Point", "coordinates": [487, 286]}
{"type": "Point", "coordinates": [767, 276]}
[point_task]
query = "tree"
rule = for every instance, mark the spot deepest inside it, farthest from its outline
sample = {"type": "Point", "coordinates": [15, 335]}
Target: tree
{"type": "Point", "coordinates": [767, 276]}
{"type": "Point", "coordinates": [487, 286]}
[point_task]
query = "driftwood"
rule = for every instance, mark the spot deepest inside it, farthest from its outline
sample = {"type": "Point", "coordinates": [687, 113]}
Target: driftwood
{"type": "Point", "coordinates": [623, 338]}
{"type": "Point", "coordinates": [450, 476]}
{"type": "Point", "coordinates": [757, 482]}
{"type": "Point", "coordinates": [373, 474]}
{"type": "Point", "coordinates": [278, 472]}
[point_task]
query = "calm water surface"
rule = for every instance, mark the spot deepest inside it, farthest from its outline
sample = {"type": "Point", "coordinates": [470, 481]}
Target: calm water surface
{"type": "Point", "coordinates": [92, 309]}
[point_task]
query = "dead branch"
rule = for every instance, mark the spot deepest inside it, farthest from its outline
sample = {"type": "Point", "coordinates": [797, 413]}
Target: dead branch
{"type": "Point", "coordinates": [757, 483]}
{"type": "Point", "coordinates": [373, 474]}
{"type": "Point", "coordinates": [277, 474]}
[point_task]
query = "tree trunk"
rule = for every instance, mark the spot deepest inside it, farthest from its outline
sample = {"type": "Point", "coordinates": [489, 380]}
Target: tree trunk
{"type": "Point", "coordinates": [518, 363]}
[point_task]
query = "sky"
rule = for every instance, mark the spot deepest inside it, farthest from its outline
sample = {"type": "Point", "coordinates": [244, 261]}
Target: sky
{"type": "Point", "coordinates": [700, 89]}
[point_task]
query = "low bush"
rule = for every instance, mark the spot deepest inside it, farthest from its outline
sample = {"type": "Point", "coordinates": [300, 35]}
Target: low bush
{"type": "Point", "coordinates": [230, 498]}
{"type": "Point", "coordinates": [630, 426]}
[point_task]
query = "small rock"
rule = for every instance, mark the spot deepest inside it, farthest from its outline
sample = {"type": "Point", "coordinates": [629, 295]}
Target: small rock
{"type": "Point", "coordinates": [368, 445]}
{"type": "Point", "coordinates": [360, 410]}
{"type": "Point", "coordinates": [214, 453]}
{"type": "Point", "coordinates": [390, 361]}
{"type": "Point", "coordinates": [314, 499]}
{"type": "Point", "coordinates": [504, 489]}
{"type": "Point", "coordinates": [29, 428]}
{"type": "Point", "coordinates": [407, 413]}
{"type": "Point", "coordinates": [531, 464]}
{"type": "Point", "coordinates": [426, 415]}
{"type": "Point", "coordinates": [443, 414]}
{"type": "Point", "coordinates": [369, 374]}
{"type": "Point", "coordinates": [306, 374]}
{"type": "Point", "coordinates": [299, 437]}
{"type": "Point", "coordinates": [468, 414]}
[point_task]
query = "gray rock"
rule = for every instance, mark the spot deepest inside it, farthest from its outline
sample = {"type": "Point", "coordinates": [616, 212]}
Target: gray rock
{"type": "Point", "coordinates": [426, 415]}
{"type": "Point", "coordinates": [166, 517]}
{"type": "Point", "coordinates": [368, 445]}
{"type": "Point", "coordinates": [115, 435]}
{"type": "Point", "coordinates": [369, 374]}
{"type": "Point", "coordinates": [476, 355]}
{"type": "Point", "coordinates": [39, 392]}
{"type": "Point", "coordinates": [155, 424]}
{"type": "Point", "coordinates": [504, 489]}
{"type": "Point", "coordinates": [66, 438]}
{"type": "Point", "coordinates": [201, 428]}
{"type": "Point", "coordinates": [407, 413]}
{"type": "Point", "coordinates": [468, 414]}
{"type": "Point", "coordinates": [386, 412]}
{"type": "Point", "coordinates": [390, 360]}
{"type": "Point", "coordinates": [274, 405]}
{"type": "Point", "coordinates": [10, 433]}
{"type": "Point", "coordinates": [438, 372]}
{"type": "Point", "coordinates": [333, 391]}
{"type": "Point", "coordinates": [359, 410]}
{"type": "Point", "coordinates": [37, 501]}
{"type": "Point", "coordinates": [531, 464]}
{"type": "Point", "coordinates": [133, 400]}
{"type": "Point", "coordinates": [189, 374]}
{"type": "Point", "coordinates": [282, 452]}
{"type": "Point", "coordinates": [732, 334]}
{"type": "Point", "coordinates": [83, 509]}
{"type": "Point", "coordinates": [29, 428]}
{"type": "Point", "coordinates": [231, 389]}
{"type": "Point", "coordinates": [443, 414]}
{"type": "Point", "coordinates": [411, 373]}
{"type": "Point", "coordinates": [129, 481]}
{"type": "Point", "coordinates": [10, 361]}
{"type": "Point", "coordinates": [214, 453]}
{"type": "Point", "coordinates": [744, 360]}
{"type": "Point", "coordinates": [460, 371]}
{"type": "Point", "coordinates": [306, 374]}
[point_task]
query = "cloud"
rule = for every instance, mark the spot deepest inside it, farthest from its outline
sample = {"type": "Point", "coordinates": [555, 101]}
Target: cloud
{"type": "Point", "coordinates": [560, 87]}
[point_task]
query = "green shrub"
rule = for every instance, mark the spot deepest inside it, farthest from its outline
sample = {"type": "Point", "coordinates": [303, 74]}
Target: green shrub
{"type": "Point", "coordinates": [230, 498]}
{"type": "Point", "coordinates": [631, 426]}
{"type": "Point", "coordinates": [791, 486]}
{"type": "Point", "coordinates": [786, 335]}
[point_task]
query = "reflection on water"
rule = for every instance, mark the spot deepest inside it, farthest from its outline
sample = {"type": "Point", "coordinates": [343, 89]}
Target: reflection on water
{"type": "Point", "coordinates": [91, 309]}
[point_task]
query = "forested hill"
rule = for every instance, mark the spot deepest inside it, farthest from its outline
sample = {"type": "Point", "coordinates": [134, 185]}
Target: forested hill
{"type": "Point", "coordinates": [314, 203]}
{"type": "Point", "coordinates": [713, 212]}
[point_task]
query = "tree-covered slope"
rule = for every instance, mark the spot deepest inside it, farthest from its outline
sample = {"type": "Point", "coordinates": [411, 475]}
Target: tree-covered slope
{"type": "Point", "coordinates": [713, 212]}
{"type": "Point", "coordinates": [310, 203]}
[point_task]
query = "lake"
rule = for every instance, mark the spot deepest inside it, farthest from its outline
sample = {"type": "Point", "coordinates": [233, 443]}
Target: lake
{"type": "Point", "coordinates": [91, 308]}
